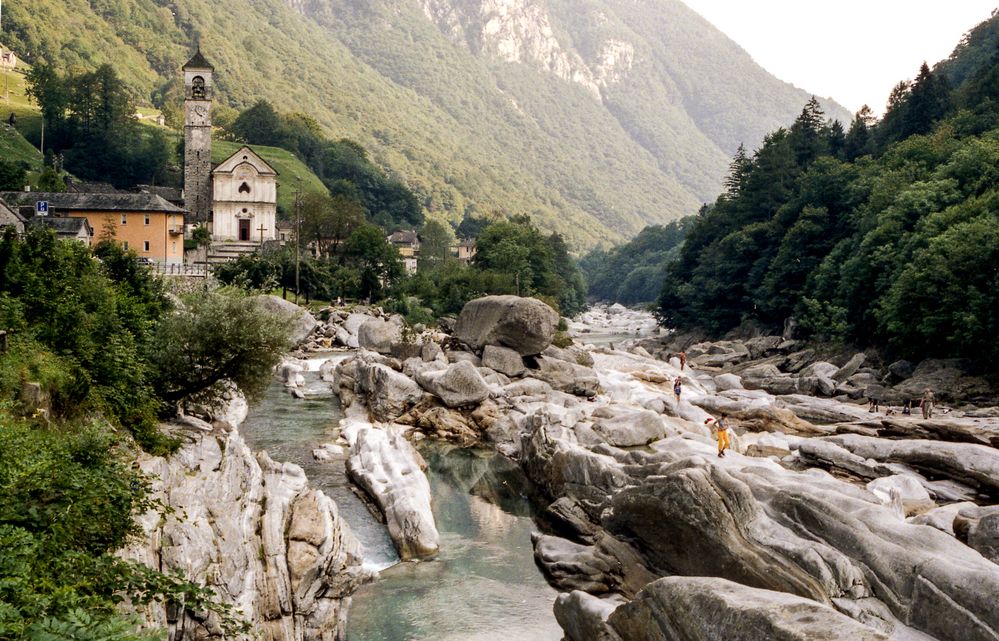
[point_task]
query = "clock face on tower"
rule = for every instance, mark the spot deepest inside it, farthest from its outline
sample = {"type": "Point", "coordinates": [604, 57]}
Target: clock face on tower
{"type": "Point", "coordinates": [199, 115]}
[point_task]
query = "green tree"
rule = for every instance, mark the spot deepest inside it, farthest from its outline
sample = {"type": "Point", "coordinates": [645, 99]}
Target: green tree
{"type": "Point", "coordinates": [328, 221]}
{"type": "Point", "coordinates": [858, 139]}
{"type": "Point", "coordinates": [13, 175]}
{"type": "Point", "coordinates": [738, 169]}
{"type": "Point", "coordinates": [375, 259]}
{"type": "Point", "coordinates": [50, 181]}
{"type": "Point", "coordinates": [435, 244]}
{"type": "Point", "coordinates": [217, 338]}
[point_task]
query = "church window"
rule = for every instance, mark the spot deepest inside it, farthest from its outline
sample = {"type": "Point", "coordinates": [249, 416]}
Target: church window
{"type": "Point", "coordinates": [146, 220]}
{"type": "Point", "coordinates": [124, 219]}
{"type": "Point", "coordinates": [145, 245]}
{"type": "Point", "coordinates": [245, 211]}
{"type": "Point", "coordinates": [244, 188]}
{"type": "Point", "coordinates": [198, 87]}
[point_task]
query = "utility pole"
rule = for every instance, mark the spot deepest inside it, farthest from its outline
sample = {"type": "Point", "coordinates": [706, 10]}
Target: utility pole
{"type": "Point", "coordinates": [6, 94]}
{"type": "Point", "coordinates": [298, 231]}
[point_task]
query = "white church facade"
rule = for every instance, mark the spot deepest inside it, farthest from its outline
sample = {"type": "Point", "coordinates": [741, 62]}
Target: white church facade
{"type": "Point", "coordinates": [244, 198]}
{"type": "Point", "coordinates": [236, 199]}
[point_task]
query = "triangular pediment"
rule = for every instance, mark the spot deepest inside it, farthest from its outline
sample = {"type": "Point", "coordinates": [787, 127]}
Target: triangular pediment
{"type": "Point", "coordinates": [245, 155]}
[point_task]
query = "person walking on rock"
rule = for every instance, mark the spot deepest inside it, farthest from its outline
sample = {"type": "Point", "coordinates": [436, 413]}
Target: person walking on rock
{"type": "Point", "coordinates": [721, 432]}
{"type": "Point", "coordinates": [683, 360]}
{"type": "Point", "coordinates": [677, 388]}
{"type": "Point", "coordinates": [927, 403]}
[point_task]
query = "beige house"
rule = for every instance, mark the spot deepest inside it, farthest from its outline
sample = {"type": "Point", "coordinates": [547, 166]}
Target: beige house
{"type": "Point", "coordinates": [244, 199]}
{"type": "Point", "coordinates": [464, 251]}
{"type": "Point", "coordinates": [144, 222]}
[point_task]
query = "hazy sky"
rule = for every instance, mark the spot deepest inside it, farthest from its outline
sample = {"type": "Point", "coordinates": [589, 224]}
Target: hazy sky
{"type": "Point", "coordinates": [852, 50]}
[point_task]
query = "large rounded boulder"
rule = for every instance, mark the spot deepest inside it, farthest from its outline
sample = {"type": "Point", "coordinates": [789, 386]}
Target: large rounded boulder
{"type": "Point", "coordinates": [300, 322]}
{"type": "Point", "coordinates": [525, 325]}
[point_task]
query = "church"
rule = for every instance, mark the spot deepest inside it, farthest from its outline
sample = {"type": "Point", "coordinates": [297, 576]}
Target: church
{"type": "Point", "coordinates": [236, 199]}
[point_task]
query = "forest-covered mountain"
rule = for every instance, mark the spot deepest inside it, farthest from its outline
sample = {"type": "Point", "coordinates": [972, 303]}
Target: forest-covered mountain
{"type": "Point", "coordinates": [596, 117]}
{"type": "Point", "coordinates": [633, 273]}
{"type": "Point", "coordinates": [884, 235]}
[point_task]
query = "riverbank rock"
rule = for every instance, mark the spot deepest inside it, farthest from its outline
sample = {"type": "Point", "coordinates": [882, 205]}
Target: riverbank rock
{"type": "Point", "coordinates": [390, 470]}
{"type": "Point", "coordinates": [904, 488]}
{"type": "Point", "coordinates": [803, 533]}
{"type": "Point", "coordinates": [525, 325]}
{"type": "Point", "coordinates": [252, 530]}
{"type": "Point", "coordinates": [459, 385]}
{"type": "Point", "coordinates": [627, 427]}
{"type": "Point", "coordinates": [503, 359]}
{"type": "Point", "coordinates": [300, 322]}
{"type": "Point", "coordinates": [584, 616]}
{"type": "Point", "coordinates": [379, 335]}
{"type": "Point", "coordinates": [966, 463]}
{"type": "Point", "coordinates": [566, 376]}
{"type": "Point", "coordinates": [948, 378]}
{"type": "Point", "coordinates": [387, 393]}
{"type": "Point", "coordinates": [685, 608]}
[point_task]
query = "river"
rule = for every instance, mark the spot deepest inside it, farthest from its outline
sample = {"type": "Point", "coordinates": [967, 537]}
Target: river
{"type": "Point", "coordinates": [484, 586]}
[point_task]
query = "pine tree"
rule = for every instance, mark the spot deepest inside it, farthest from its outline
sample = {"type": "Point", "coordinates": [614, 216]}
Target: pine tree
{"type": "Point", "coordinates": [928, 102]}
{"type": "Point", "coordinates": [738, 170]}
{"type": "Point", "coordinates": [806, 133]}
{"type": "Point", "coordinates": [858, 138]}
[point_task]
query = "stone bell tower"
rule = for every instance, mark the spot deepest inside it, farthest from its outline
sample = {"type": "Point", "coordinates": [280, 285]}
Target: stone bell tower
{"type": "Point", "coordinates": [198, 138]}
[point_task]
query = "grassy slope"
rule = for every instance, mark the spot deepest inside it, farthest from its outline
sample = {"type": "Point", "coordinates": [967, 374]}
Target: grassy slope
{"type": "Point", "coordinates": [13, 145]}
{"type": "Point", "coordinates": [286, 164]}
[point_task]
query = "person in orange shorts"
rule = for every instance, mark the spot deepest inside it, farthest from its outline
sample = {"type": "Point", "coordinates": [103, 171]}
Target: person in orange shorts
{"type": "Point", "coordinates": [721, 431]}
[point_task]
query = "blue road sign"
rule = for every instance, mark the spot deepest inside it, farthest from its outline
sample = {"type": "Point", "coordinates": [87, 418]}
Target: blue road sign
{"type": "Point", "coordinates": [42, 208]}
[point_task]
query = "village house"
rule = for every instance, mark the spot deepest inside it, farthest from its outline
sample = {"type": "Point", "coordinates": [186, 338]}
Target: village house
{"type": "Point", "coordinates": [464, 251]}
{"type": "Point", "coordinates": [408, 244]}
{"type": "Point", "coordinates": [285, 231]}
{"type": "Point", "coordinates": [142, 222]}
{"type": "Point", "coordinates": [75, 229]}
{"type": "Point", "coordinates": [10, 218]}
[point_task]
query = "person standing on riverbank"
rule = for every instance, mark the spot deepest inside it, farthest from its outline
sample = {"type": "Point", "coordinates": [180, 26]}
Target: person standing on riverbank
{"type": "Point", "coordinates": [677, 388]}
{"type": "Point", "coordinates": [927, 402]}
{"type": "Point", "coordinates": [721, 433]}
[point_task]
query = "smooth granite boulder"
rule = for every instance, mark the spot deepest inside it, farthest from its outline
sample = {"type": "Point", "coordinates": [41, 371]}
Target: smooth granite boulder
{"type": "Point", "coordinates": [300, 322]}
{"type": "Point", "coordinates": [379, 335]}
{"type": "Point", "coordinates": [503, 359]}
{"type": "Point", "coordinates": [526, 325]}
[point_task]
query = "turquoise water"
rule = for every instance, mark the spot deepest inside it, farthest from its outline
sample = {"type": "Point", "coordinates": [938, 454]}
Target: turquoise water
{"type": "Point", "coordinates": [289, 429]}
{"type": "Point", "coordinates": [484, 586]}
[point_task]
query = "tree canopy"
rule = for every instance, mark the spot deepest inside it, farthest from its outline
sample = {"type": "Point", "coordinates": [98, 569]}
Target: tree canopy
{"type": "Point", "coordinates": [884, 236]}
